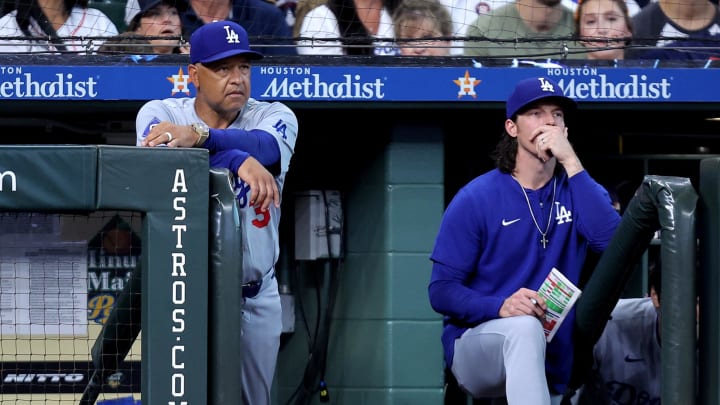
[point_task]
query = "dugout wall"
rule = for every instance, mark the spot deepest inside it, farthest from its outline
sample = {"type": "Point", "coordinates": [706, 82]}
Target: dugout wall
{"type": "Point", "coordinates": [170, 187]}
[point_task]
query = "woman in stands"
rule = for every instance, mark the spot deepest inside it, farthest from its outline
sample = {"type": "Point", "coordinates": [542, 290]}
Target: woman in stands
{"type": "Point", "coordinates": [53, 26]}
{"type": "Point", "coordinates": [605, 26]}
{"type": "Point", "coordinates": [348, 27]}
{"type": "Point", "coordinates": [418, 20]}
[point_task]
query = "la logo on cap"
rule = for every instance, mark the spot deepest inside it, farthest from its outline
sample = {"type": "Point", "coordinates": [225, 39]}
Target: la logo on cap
{"type": "Point", "coordinates": [232, 36]}
{"type": "Point", "coordinates": [545, 85]}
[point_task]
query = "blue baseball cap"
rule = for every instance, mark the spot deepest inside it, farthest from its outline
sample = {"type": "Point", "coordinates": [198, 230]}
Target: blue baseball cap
{"type": "Point", "coordinates": [219, 40]}
{"type": "Point", "coordinates": [533, 89]}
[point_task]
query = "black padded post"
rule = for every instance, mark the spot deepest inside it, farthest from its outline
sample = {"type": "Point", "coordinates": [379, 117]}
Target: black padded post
{"type": "Point", "coordinates": [225, 292]}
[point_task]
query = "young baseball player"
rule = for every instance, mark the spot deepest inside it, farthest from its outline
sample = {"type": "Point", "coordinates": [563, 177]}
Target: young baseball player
{"type": "Point", "coordinates": [255, 140]}
{"type": "Point", "coordinates": [499, 238]}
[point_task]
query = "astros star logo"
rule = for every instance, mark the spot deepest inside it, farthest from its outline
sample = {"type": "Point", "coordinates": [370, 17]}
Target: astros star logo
{"type": "Point", "coordinates": [467, 85]}
{"type": "Point", "coordinates": [180, 82]}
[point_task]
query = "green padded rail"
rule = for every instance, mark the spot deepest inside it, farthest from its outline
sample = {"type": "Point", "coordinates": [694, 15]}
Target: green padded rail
{"type": "Point", "coordinates": [709, 360]}
{"type": "Point", "coordinates": [225, 292]}
{"type": "Point", "coordinates": [48, 178]}
{"type": "Point", "coordinates": [660, 203]}
{"type": "Point", "coordinates": [171, 187]}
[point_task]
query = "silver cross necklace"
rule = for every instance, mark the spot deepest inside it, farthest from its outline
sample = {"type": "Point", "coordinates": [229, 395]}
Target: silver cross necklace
{"type": "Point", "coordinates": [543, 238]}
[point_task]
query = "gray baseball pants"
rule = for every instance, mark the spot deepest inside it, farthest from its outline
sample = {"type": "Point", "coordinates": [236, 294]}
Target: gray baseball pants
{"type": "Point", "coordinates": [504, 357]}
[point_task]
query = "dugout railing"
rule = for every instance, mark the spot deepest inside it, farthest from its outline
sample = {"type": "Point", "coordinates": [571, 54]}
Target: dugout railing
{"type": "Point", "coordinates": [669, 205]}
{"type": "Point", "coordinates": [175, 194]}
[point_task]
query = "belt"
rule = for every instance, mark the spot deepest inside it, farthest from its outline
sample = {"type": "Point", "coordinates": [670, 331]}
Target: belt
{"type": "Point", "coordinates": [252, 288]}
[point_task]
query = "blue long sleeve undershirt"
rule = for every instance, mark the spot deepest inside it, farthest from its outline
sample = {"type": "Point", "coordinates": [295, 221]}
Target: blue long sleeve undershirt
{"type": "Point", "coordinates": [232, 146]}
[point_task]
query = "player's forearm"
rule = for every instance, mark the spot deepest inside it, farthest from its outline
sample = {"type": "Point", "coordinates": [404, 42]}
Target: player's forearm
{"type": "Point", "coordinates": [229, 159]}
{"type": "Point", "coordinates": [234, 158]}
{"type": "Point", "coordinates": [258, 143]}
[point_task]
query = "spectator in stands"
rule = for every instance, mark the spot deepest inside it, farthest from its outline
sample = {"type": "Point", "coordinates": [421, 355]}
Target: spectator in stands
{"type": "Point", "coordinates": [349, 27]}
{"type": "Point", "coordinates": [422, 19]}
{"type": "Point", "coordinates": [633, 6]}
{"type": "Point", "coordinates": [463, 13]}
{"type": "Point", "coordinates": [151, 18]}
{"type": "Point", "coordinates": [55, 19]}
{"type": "Point", "coordinates": [265, 23]}
{"type": "Point", "coordinates": [301, 9]}
{"type": "Point", "coordinates": [288, 8]}
{"type": "Point", "coordinates": [598, 22]}
{"type": "Point", "coordinates": [539, 20]}
{"type": "Point", "coordinates": [697, 21]}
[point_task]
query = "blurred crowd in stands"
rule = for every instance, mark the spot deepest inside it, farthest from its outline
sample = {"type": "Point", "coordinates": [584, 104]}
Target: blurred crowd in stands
{"type": "Point", "coordinates": [532, 29]}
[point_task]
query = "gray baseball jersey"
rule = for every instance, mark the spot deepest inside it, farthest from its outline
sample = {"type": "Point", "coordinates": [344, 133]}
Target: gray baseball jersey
{"type": "Point", "coordinates": [261, 314]}
{"type": "Point", "coordinates": [627, 367]}
{"type": "Point", "coordinates": [260, 230]}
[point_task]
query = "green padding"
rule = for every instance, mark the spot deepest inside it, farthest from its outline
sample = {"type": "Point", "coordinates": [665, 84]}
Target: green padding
{"type": "Point", "coordinates": [170, 185]}
{"type": "Point", "coordinates": [128, 173]}
{"type": "Point", "coordinates": [607, 282]}
{"type": "Point", "coordinates": [679, 257]}
{"type": "Point", "coordinates": [37, 178]}
{"type": "Point", "coordinates": [669, 204]}
{"type": "Point", "coordinates": [710, 282]}
{"type": "Point", "coordinates": [225, 292]}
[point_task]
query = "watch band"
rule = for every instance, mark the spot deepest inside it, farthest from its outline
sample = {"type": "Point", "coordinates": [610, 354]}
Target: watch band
{"type": "Point", "coordinates": [203, 133]}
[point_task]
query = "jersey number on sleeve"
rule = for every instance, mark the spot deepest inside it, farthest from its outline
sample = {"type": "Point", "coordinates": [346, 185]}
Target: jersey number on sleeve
{"type": "Point", "coordinates": [242, 190]}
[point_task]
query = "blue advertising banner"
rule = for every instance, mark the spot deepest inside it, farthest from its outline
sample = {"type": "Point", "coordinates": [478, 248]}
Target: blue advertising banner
{"type": "Point", "coordinates": [362, 83]}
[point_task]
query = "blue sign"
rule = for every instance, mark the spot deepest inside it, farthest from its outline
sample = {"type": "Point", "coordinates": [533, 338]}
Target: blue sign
{"type": "Point", "coordinates": [362, 83]}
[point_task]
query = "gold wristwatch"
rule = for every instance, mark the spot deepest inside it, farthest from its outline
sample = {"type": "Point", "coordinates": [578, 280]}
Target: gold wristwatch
{"type": "Point", "coordinates": [203, 132]}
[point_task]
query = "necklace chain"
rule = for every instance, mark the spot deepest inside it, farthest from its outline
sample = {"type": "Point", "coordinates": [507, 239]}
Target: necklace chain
{"type": "Point", "coordinates": [543, 239]}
